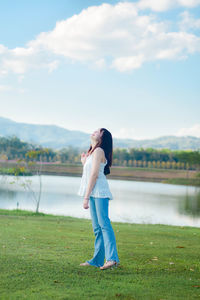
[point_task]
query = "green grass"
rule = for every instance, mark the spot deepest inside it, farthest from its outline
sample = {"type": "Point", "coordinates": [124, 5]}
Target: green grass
{"type": "Point", "coordinates": [40, 256]}
{"type": "Point", "coordinates": [183, 181]}
{"type": "Point", "coordinates": [14, 171]}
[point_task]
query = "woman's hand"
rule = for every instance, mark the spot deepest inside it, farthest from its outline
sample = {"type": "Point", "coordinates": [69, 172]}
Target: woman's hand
{"type": "Point", "coordinates": [83, 157]}
{"type": "Point", "coordinates": [85, 203]}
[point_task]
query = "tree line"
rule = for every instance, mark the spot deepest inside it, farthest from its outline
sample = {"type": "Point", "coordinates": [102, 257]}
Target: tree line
{"type": "Point", "coordinates": [12, 148]}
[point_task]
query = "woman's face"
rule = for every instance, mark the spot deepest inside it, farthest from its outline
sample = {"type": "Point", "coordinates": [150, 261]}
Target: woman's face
{"type": "Point", "coordinates": [96, 135]}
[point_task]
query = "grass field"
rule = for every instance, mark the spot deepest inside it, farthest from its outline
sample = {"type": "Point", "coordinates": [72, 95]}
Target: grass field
{"type": "Point", "coordinates": [40, 256]}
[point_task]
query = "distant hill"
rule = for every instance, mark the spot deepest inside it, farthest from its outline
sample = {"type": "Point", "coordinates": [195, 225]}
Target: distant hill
{"type": "Point", "coordinates": [57, 137]}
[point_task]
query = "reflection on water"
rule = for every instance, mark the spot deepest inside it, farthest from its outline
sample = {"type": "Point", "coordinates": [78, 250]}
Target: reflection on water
{"type": "Point", "coordinates": [191, 204]}
{"type": "Point", "coordinates": [134, 201]}
{"type": "Point", "coordinates": [6, 194]}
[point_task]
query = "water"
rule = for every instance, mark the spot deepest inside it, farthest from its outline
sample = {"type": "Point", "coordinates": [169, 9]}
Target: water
{"type": "Point", "coordinates": [134, 201]}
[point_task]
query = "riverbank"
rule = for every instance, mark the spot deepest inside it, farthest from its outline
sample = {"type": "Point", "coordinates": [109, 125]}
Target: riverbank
{"type": "Point", "coordinates": [41, 253]}
{"type": "Point", "coordinates": [184, 177]}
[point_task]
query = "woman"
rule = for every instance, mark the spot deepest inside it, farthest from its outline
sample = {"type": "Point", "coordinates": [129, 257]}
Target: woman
{"type": "Point", "coordinates": [94, 187]}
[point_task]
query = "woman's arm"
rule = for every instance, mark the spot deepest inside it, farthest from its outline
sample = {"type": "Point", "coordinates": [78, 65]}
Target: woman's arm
{"type": "Point", "coordinates": [97, 156]}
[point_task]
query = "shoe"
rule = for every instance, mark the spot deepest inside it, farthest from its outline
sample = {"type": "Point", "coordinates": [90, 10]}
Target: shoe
{"type": "Point", "coordinates": [109, 264]}
{"type": "Point", "coordinates": [85, 264]}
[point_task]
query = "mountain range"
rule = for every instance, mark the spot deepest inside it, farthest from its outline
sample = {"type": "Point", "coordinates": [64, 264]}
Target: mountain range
{"type": "Point", "coordinates": [57, 137]}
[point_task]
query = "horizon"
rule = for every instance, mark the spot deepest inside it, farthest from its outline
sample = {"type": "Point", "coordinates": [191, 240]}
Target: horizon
{"type": "Point", "coordinates": [184, 136]}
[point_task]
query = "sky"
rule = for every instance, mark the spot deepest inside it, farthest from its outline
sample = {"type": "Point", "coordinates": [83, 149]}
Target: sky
{"type": "Point", "coordinates": [132, 67]}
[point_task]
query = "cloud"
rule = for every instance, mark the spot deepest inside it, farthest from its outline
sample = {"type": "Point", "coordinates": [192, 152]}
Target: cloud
{"type": "Point", "coordinates": [128, 62]}
{"type": "Point", "coordinates": [21, 60]}
{"type": "Point", "coordinates": [3, 49]}
{"type": "Point", "coordinates": [20, 78]}
{"type": "Point", "coordinates": [52, 65]}
{"type": "Point", "coordinates": [100, 63]}
{"type": "Point", "coordinates": [193, 131]}
{"type": "Point", "coordinates": [15, 65]}
{"type": "Point", "coordinates": [164, 5]}
{"type": "Point", "coordinates": [125, 133]}
{"type": "Point", "coordinates": [5, 88]}
{"type": "Point", "coordinates": [113, 36]}
{"type": "Point", "coordinates": [119, 33]}
{"type": "Point", "coordinates": [188, 22]}
{"type": "Point", "coordinates": [21, 90]}
{"type": "Point", "coordinates": [129, 133]}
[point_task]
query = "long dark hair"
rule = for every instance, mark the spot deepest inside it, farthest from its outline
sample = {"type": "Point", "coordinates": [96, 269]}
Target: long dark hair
{"type": "Point", "coordinates": [106, 143]}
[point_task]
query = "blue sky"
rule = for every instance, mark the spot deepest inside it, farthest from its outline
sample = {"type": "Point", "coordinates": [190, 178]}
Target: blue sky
{"type": "Point", "coordinates": [129, 66]}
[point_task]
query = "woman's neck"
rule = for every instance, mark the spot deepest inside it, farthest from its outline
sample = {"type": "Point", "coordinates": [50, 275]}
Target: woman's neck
{"type": "Point", "coordinates": [93, 145]}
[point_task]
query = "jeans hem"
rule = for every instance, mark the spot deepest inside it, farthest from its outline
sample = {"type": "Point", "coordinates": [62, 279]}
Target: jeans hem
{"type": "Point", "coordinates": [113, 259]}
{"type": "Point", "coordinates": [93, 264]}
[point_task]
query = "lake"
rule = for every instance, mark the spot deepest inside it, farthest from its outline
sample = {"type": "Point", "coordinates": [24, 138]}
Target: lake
{"type": "Point", "coordinates": [134, 201]}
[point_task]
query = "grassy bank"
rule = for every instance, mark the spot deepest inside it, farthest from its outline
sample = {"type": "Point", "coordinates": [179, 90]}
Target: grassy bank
{"type": "Point", "coordinates": [185, 177]}
{"type": "Point", "coordinates": [40, 256]}
{"type": "Point", "coordinates": [183, 181]}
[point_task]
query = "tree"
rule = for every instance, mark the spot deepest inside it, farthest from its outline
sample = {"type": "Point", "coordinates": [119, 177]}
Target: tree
{"type": "Point", "coordinates": [33, 155]}
{"type": "Point", "coordinates": [30, 165]}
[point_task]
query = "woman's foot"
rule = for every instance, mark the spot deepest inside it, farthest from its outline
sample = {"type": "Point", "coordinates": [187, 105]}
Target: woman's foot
{"type": "Point", "coordinates": [109, 264]}
{"type": "Point", "coordinates": [85, 264]}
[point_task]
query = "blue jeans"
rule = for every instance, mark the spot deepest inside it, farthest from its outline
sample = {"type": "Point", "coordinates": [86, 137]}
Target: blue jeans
{"type": "Point", "coordinates": [105, 242]}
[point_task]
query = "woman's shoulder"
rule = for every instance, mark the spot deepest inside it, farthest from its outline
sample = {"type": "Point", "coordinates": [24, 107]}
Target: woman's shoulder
{"type": "Point", "coordinates": [99, 150]}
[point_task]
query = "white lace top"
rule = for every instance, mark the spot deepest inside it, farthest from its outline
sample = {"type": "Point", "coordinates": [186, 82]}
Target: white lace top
{"type": "Point", "coordinates": [101, 187]}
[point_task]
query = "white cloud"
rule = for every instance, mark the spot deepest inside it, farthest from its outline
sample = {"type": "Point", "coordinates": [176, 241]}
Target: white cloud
{"type": "Point", "coordinates": [125, 133]}
{"type": "Point", "coordinates": [15, 65]}
{"type": "Point", "coordinates": [119, 33]}
{"type": "Point", "coordinates": [20, 78]}
{"type": "Point", "coordinates": [129, 133]}
{"type": "Point", "coordinates": [5, 88]}
{"type": "Point", "coordinates": [188, 21]}
{"type": "Point", "coordinates": [113, 36]}
{"type": "Point", "coordinates": [3, 49]}
{"type": "Point", "coordinates": [21, 90]}
{"type": "Point", "coordinates": [163, 5]}
{"type": "Point", "coordinates": [20, 60]}
{"type": "Point", "coordinates": [53, 65]}
{"type": "Point", "coordinates": [100, 63]}
{"type": "Point", "coordinates": [193, 131]}
{"type": "Point", "coordinates": [128, 62]}
{"type": "Point", "coordinates": [21, 52]}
